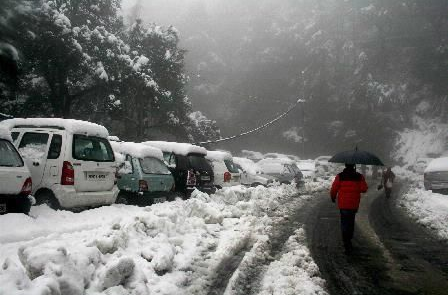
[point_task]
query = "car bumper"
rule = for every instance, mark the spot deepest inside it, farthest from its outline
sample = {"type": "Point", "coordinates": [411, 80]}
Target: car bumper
{"type": "Point", "coordinates": [14, 204]}
{"type": "Point", "coordinates": [68, 197]}
{"type": "Point", "coordinates": [204, 189]}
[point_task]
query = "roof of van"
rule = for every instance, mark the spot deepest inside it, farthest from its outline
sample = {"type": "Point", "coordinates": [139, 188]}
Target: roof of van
{"type": "Point", "coordinates": [70, 125]}
{"type": "Point", "coordinates": [218, 155]}
{"type": "Point", "coordinates": [136, 150]}
{"type": "Point", "coordinates": [4, 133]}
{"type": "Point", "coordinates": [178, 148]}
{"type": "Point", "coordinates": [438, 165]}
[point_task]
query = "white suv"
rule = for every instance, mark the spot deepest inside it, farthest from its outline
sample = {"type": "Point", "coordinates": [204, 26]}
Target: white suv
{"type": "Point", "coordinates": [15, 178]}
{"type": "Point", "coordinates": [224, 170]}
{"type": "Point", "coordinates": [72, 163]}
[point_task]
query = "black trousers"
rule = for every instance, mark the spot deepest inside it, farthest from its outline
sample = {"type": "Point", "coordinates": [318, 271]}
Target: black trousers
{"type": "Point", "coordinates": [347, 224]}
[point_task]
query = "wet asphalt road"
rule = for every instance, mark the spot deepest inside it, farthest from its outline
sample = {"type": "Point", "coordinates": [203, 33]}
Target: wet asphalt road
{"type": "Point", "coordinates": [392, 254]}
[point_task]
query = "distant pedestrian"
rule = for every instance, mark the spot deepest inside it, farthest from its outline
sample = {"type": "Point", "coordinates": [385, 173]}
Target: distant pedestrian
{"type": "Point", "coordinates": [347, 188]}
{"type": "Point", "coordinates": [388, 181]}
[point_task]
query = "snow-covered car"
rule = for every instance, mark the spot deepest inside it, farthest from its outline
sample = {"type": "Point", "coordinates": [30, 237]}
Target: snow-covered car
{"type": "Point", "coordinates": [436, 175]}
{"type": "Point", "coordinates": [250, 173]}
{"type": "Point", "coordinates": [283, 170]}
{"type": "Point", "coordinates": [224, 170]}
{"type": "Point", "coordinates": [71, 162]}
{"type": "Point", "coordinates": [15, 178]}
{"type": "Point", "coordinates": [143, 178]}
{"type": "Point", "coordinates": [421, 164]}
{"type": "Point", "coordinates": [252, 155]}
{"type": "Point", "coordinates": [308, 168]}
{"type": "Point", "coordinates": [188, 165]}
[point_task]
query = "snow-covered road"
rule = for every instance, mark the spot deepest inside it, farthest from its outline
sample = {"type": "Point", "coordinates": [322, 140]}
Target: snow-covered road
{"type": "Point", "coordinates": [170, 248]}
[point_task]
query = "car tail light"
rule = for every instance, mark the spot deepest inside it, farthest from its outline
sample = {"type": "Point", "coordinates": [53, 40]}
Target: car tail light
{"type": "Point", "coordinates": [227, 176]}
{"type": "Point", "coordinates": [191, 178]}
{"type": "Point", "coordinates": [27, 186]}
{"type": "Point", "coordinates": [143, 186]}
{"type": "Point", "coordinates": [68, 174]}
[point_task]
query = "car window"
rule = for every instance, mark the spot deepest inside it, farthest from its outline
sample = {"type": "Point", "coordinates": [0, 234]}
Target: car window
{"type": "Point", "coordinates": [153, 166]}
{"type": "Point", "coordinates": [55, 147]}
{"type": "Point", "coordinates": [231, 166]}
{"type": "Point", "coordinates": [9, 156]}
{"type": "Point", "coordinates": [14, 135]}
{"type": "Point", "coordinates": [198, 162]}
{"type": "Point", "coordinates": [92, 148]}
{"type": "Point", "coordinates": [129, 159]}
{"type": "Point", "coordinates": [33, 145]}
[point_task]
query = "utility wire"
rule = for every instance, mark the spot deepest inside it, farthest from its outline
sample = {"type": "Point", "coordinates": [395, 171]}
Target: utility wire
{"type": "Point", "coordinates": [255, 129]}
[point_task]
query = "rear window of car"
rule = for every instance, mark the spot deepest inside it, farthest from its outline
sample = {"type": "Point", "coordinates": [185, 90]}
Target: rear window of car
{"type": "Point", "coordinates": [92, 148]}
{"type": "Point", "coordinates": [9, 157]}
{"type": "Point", "coordinates": [231, 166]}
{"type": "Point", "coordinates": [153, 166]}
{"type": "Point", "coordinates": [198, 162]}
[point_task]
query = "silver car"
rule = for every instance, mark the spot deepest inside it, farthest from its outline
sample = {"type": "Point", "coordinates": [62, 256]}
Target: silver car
{"type": "Point", "coordinates": [436, 175]}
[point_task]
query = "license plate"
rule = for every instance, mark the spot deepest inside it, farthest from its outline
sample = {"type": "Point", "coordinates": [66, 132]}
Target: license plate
{"type": "Point", "coordinates": [207, 178]}
{"type": "Point", "coordinates": [96, 177]}
{"type": "Point", "coordinates": [159, 200]}
{"type": "Point", "coordinates": [2, 208]}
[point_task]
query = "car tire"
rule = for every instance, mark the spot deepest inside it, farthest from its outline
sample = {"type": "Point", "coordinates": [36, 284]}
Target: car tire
{"type": "Point", "coordinates": [122, 199]}
{"type": "Point", "coordinates": [47, 197]}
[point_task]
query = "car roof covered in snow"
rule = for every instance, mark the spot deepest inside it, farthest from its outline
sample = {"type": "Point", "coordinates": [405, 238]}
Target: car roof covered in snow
{"type": "Point", "coordinates": [439, 164]}
{"type": "Point", "coordinates": [113, 138]}
{"type": "Point", "coordinates": [218, 155]}
{"type": "Point", "coordinates": [5, 133]}
{"type": "Point", "coordinates": [273, 161]}
{"type": "Point", "coordinates": [252, 155]}
{"type": "Point", "coordinates": [177, 148]}
{"type": "Point", "coordinates": [247, 164]}
{"type": "Point", "coordinates": [136, 150]}
{"type": "Point", "coordinates": [307, 165]}
{"type": "Point", "coordinates": [70, 125]}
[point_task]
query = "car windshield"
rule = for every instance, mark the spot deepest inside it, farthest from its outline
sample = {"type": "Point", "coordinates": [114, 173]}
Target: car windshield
{"type": "Point", "coordinates": [91, 148]}
{"type": "Point", "coordinates": [198, 162]}
{"type": "Point", "coordinates": [153, 166]}
{"type": "Point", "coordinates": [231, 166]}
{"type": "Point", "coordinates": [9, 157]}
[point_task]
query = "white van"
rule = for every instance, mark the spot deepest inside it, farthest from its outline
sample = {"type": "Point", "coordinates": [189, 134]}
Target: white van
{"type": "Point", "coordinates": [15, 178]}
{"type": "Point", "coordinates": [71, 162]}
{"type": "Point", "coordinates": [224, 170]}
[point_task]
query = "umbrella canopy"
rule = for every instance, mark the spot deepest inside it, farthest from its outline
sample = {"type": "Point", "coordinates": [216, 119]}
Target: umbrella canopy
{"type": "Point", "coordinates": [356, 157]}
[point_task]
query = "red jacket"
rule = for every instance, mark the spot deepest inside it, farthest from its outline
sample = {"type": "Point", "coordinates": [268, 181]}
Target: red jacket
{"type": "Point", "coordinates": [348, 186]}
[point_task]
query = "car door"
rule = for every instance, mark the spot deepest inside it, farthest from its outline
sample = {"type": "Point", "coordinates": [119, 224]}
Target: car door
{"type": "Point", "coordinates": [53, 165]}
{"type": "Point", "coordinates": [34, 147]}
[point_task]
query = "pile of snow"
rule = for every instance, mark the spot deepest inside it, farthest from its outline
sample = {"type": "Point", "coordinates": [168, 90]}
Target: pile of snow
{"type": "Point", "coordinates": [437, 165]}
{"type": "Point", "coordinates": [247, 164]}
{"type": "Point", "coordinates": [5, 133]}
{"type": "Point", "coordinates": [177, 148]}
{"type": "Point", "coordinates": [136, 150]}
{"type": "Point", "coordinates": [295, 273]}
{"type": "Point", "coordinates": [72, 126]}
{"type": "Point", "coordinates": [218, 156]}
{"type": "Point", "coordinates": [169, 248]}
{"type": "Point", "coordinates": [428, 209]}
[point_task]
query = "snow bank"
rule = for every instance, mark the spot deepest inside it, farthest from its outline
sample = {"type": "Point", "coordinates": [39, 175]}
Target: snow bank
{"type": "Point", "coordinates": [295, 273]}
{"type": "Point", "coordinates": [5, 133]}
{"type": "Point", "coordinates": [169, 248]}
{"type": "Point", "coordinates": [428, 209]}
{"type": "Point", "coordinates": [177, 148]}
{"type": "Point", "coordinates": [218, 155]}
{"type": "Point", "coordinates": [72, 126]}
{"type": "Point", "coordinates": [136, 150]}
{"type": "Point", "coordinates": [436, 165]}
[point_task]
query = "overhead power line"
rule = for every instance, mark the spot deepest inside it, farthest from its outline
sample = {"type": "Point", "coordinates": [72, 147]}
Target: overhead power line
{"type": "Point", "coordinates": [255, 129]}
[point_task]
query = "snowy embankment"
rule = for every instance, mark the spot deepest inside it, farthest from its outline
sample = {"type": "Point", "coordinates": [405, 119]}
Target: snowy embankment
{"type": "Point", "coordinates": [428, 209]}
{"type": "Point", "coordinates": [169, 248]}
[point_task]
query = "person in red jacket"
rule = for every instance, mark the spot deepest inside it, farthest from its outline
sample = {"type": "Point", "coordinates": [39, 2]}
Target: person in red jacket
{"type": "Point", "coordinates": [347, 187]}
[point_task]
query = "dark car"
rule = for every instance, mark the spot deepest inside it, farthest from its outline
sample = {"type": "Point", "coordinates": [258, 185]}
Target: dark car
{"type": "Point", "coordinates": [188, 166]}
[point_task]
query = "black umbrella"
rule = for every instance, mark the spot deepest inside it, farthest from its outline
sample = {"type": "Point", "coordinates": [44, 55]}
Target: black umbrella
{"type": "Point", "coordinates": [356, 157]}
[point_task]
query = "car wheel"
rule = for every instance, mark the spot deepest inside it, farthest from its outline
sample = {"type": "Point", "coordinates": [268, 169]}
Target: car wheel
{"type": "Point", "coordinates": [47, 197]}
{"type": "Point", "coordinates": [122, 199]}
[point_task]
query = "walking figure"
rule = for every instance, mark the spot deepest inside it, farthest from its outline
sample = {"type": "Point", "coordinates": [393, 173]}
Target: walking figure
{"type": "Point", "coordinates": [347, 188]}
{"type": "Point", "coordinates": [388, 181]}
